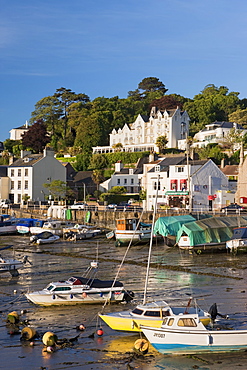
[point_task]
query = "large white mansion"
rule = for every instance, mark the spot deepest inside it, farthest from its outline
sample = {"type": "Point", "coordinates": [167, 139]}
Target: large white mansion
{"type": "Point", "coordinates": [143, 133]}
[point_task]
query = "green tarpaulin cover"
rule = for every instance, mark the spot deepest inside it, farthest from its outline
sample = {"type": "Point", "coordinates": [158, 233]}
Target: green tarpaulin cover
{"type": "Point", "coordinates": [171, 224]}
{"type": "Point", "coordinates": [211, 230]}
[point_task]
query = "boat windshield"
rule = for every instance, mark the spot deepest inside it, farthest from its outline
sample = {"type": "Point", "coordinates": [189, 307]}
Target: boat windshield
{"type": "Point", "coordinates": [62, 289]}
{"type": "Point", "coordinates": [50, 287]}
{"type": "Point", "coordinates": [137, 311]}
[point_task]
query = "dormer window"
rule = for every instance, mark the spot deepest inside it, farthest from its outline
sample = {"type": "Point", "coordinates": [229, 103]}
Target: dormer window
{"type": "Point", "coordinates": [131, 171]}
{"type": "Point", "coordinates": [179, 169]}
{"type": "Point", "coordinates": [157, 168]}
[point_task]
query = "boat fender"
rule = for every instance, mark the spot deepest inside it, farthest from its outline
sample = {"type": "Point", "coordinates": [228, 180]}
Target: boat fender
{"type": "Point", "coordinates": [53, 296]}
{"type": "Point", "coordinates": [13, 317]}
{"type": "Point", "coordinates": [100, 332]}
{"type": "Point", "coordinates": [50, 349]}
{"type": "Point", "coordinates": [49, 338]}
{"type": "Point", "coordinates": [71, 296]}
{"type": "Point", "coordinates": [141, 346]}
{"type": "Point", "coordinates": [84, 295]}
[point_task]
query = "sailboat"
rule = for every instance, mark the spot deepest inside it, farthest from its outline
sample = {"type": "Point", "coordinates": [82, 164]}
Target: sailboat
{"type": "Point", "coordinates": [153, 313]}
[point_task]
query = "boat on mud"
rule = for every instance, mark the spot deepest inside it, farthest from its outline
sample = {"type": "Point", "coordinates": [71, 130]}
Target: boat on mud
{"type": "Point", "coordinates": [45, 237]}
{"type": "Point", "coordinates": [185, 334]}
{"type": "Point", "coordinates": [81, 290]}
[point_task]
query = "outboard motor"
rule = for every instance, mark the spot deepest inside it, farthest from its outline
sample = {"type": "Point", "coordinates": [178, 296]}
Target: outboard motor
{"type": "Point", "coordinates": [213, 311]}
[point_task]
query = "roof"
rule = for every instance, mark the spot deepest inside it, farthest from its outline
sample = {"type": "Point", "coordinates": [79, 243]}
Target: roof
{"type": "Point", "coordinates": [27, 161]}
{"type": "Point", "coordinates": [125, 171]}
{"type": "Point", "coordinates": [23, 127]}
{"type": "Point", "coordinates": [223, 125]}
{"type": "Point", "coordinates": [230, 170]}
{"type": "Point", "coordinates": [169, 161]}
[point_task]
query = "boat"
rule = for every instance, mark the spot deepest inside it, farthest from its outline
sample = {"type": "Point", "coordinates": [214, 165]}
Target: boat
{"type": "Point", "coordinates": [81, 290]}
{"type": "Point", "coordinates": [238, 241]}
{"type": "Point", "coordinates": [149, 314]}
{"type": "Point", "coordinates": [80, 232]}
{"type": "Point", "coordinates": [132, 230]}
{"type": "Point", "coordinates": [23, 225]}
{"type": "Point", "coordinates": [209, 234]}
{"type": "Point", "coordinates": [7, 225]}
{"type": "Point", "coordinates": [46, 237]}
{"type": "Point", "coordinates": [186, 334]}
{"type": "Point", "coordinates": [11, 265]}
{"type": "Point", "coordinates": [54, 226]}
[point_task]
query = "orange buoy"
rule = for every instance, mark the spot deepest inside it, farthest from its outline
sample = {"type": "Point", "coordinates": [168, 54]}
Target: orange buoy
{"type": "Point", "coordinates": [28, 333]}
{"type": "Point", "coordinates": [100, 332]}
{"type": "Point", "coordinates": [141, 346]}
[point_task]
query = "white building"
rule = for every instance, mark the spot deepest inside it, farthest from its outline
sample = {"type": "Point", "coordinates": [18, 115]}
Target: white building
{"type": "Point", "coordinates": [4, 183]}
{"type": "Point", "coordinates": [28, 174]}
{"type": "Point", "coordinates": [215, 132]}
{"type": "Point", "coordinates": [143, 133]}
{"type": "Point", "coordinates": [127, 177]}
{"type": "Point", "coordinates": [196, 184]}
{"type": "Point", "coordinates": [16, 133]}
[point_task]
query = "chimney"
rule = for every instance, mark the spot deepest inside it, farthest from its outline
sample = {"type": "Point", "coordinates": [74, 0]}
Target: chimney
{"type": "Point", "coordinates": [118, 166]}
{"type": "Point", "coordinates": [151, 157]}
{"type": "Point", "coordinates": [26, 124]}
{"type": "Point", "coordinates": [241, 154]}
{"type": "Point", "coordinates": [11, 159]}
{"type": "Point", "coordinates": [48, 152]}
{"type": "Point", "coordinates": [223, 163]}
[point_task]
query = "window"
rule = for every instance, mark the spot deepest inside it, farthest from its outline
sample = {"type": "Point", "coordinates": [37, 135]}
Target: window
{"type": "Point", "coordinates": [170, 322]}
{"type": "Point", "coordinates": [118, 181]}
{"type": "Point", "coordinates": [187, 322]}
{"type": "Point", "coordinates": [179, 169]}
{"type": "Point", "coordinates": [12, 173]}
{"type": "Point", "coordinates": [125, 181]}
{"type": "Point", "coordinates": [157, 169]}
{"type": "Point", "coordinates": [12, 185]}
{"type": "Point", "coordinates": [26, 184]}
{"type": "Point", "coordinates": [19, 198]}
{"type": "Point", "coordinates": [19, 185]}
{"type": "Point", "coordinates": [132, 181]}
{"type": "Point", "coordinates": [152, 313]}
{"type": "Point", "coordinates": [19, 172]}
{"type": "Point", "coordinates": [26, 171]}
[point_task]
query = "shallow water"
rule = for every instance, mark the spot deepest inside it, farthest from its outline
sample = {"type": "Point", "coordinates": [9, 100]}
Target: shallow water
{"type": "Point", "coordinates": [174, 276]}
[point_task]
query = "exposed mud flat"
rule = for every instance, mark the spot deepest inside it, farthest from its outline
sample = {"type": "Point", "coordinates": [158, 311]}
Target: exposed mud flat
{"type": "Point", "coordinates": [174, 276]}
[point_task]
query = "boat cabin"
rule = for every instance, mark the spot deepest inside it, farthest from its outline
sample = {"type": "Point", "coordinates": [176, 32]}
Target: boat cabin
{"type": "Point", "coordinates": [131, 224]}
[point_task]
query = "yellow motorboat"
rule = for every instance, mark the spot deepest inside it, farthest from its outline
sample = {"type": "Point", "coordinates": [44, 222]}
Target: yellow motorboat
{"type": "Point", "coordinates": [149, 314]}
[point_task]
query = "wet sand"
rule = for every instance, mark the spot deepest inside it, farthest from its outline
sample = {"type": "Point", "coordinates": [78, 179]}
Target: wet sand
{"type": "Point", "coordinates": [174, 276]}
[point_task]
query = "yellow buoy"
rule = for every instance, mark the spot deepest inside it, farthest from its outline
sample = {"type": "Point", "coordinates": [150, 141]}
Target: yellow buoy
{"type": "Point", "coordinates": [49, 338]}
{"type": "Point", "coordinates": [28, 333]}
{"type": "Point", "coordinates": [13, 317]}
{"type": "Point", "coordinates": [141, 346]}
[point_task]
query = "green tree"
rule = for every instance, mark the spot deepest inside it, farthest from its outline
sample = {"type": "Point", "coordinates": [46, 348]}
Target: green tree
{"type": "Point", "coordinates": [117, 190]}
{"type": "Point", "coordinates": [151, 84]}
{"type": "Point", "coordinates": [98, 162]}
{"type": "Point", "coordinates": [57, 188]}
{"type": "Point", "coordinates": [161, 142]}
{"type": "Point", "coordinates": [98, 177]}
{"type": "Point", "coordinates": [239, 116]}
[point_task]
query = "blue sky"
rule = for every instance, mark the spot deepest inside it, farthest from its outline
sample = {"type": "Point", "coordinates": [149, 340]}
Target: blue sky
{"type": "Point", "coordinates": [105, 48]}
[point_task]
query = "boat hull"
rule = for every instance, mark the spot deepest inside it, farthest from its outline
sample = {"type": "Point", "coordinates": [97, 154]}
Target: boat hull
{"type": "Point", "coordinates": [44, 299]}
{"type": "Point", "coordinates": [187, 342]}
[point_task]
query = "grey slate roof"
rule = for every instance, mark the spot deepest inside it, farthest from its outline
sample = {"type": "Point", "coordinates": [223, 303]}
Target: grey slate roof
{"type": "Point", "coordinates": [33, 158]}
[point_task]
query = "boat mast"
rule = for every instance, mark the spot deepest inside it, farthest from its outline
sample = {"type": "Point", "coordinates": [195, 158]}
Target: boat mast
{"type": "Point", "coordinates": [188, 172]}
{"type": "Point", "coordinates": [151, 243]}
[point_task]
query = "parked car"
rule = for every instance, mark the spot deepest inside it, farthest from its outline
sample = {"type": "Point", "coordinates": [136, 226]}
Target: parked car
{"type": "Point", "coordinates": [4, 203]}
{"type": "Point", "coordinates": [111, 206]}
{"type": "Point", "coordinates": [233, 208]}
{"type": "Point", "coordinates": [79, 205]}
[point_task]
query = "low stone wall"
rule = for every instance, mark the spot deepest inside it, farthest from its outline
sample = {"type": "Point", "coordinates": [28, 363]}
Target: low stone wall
{"type": "Point", "coordinates": [102, 218]}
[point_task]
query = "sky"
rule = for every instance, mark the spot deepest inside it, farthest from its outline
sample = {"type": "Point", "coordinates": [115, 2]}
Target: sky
{"type": "Point", "coordinates": [106, 48]}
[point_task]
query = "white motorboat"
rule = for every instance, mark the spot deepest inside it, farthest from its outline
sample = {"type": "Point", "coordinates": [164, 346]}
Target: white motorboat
{"type": "Point", "coordinates": [185, 334]}
{"type": "Point", "coordinates": [81, 290]}
{"type": "Point", "coordinates": [46, 237]}
{"type": "Point", "coordinates": [238, 241]}
{"type": "Point", "coordinates": [12, 265]}
{"type": "Point", "coordinates": [7, 225]}
{"type": "Point", "coordinates": [80, 232]}
{"type": "Point", "coordinates": [54, 226]}
{"type": "Point", "coordinates": [131, 229]}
